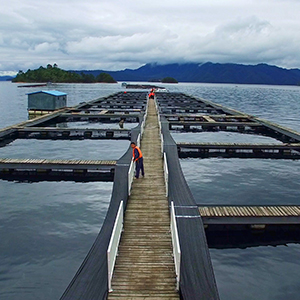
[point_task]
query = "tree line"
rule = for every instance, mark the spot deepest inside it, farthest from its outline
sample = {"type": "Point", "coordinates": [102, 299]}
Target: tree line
{"type": "Point", "coordinates": [55, 74]}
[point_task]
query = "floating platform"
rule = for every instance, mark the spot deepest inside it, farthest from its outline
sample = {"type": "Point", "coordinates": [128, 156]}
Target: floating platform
{"type": "Point", "coordinates": [32, 85]}
{"type": "Point", "coordinates": [256, 216]}
{"type": "Point", "coordinates": [142, 86]}
{"type": "Point", "coordinates": [250, 226]}
{"type": "Point", "coordinates": [216, 126]}
{"type": "Point", "coordinates": [113, 118]}
{"type": "Point", "coordinates": [72, 133]}
{"type": "Point", "coordinates": [33, 170]}
{"type": "Point", "coordinates": [197, 108]}
{"type": "Point", "coordinates": [101, 111]}
{"type": "Point", "coordinates": [234, 150]}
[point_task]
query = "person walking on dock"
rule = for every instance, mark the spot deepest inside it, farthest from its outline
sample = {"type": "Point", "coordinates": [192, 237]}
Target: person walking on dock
{"type": "Point", "coordinates": [151, 94]}
{"type": "Point", "coordinates": [137, 156]}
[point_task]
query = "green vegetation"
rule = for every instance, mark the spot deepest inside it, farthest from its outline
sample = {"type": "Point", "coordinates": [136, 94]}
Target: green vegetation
{"type": "Point", "coordinates": [169, 80]}
{"type": "Point", "coordinates": [55, 74]}
{"type": "Point", "coordinates": [104, 77]}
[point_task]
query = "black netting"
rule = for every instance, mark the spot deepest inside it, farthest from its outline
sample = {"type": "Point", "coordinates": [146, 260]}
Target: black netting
{"type": "Point", "coordinates": [197, 279]}
{"type": "Point", "coordinates": [91, 280]}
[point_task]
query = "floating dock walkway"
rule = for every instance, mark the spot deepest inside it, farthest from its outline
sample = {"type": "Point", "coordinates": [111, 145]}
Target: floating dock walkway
{"type": "Point", "coordinates": [250, 215]}
{"type": "Point", "coordinates": [56, 170]}
{"type": "Point", "coordinates": [242, 150]}
{"type": "Point", "coordinates": [145, 265]}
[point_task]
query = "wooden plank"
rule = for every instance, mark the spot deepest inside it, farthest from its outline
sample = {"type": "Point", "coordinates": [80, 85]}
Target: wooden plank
{"type": "Point", "coordinates": [208, 119]}
{"type": "Point", "coordinates": [239, 145]}
{"type": "Point", "coordinates": [103, 112]}
{"type": "Point", "coordinates": [144, 266]}
{"type": "Point", "coordinates": [228, 124]}
{"type": "Point", "coordinates": [280, 213]}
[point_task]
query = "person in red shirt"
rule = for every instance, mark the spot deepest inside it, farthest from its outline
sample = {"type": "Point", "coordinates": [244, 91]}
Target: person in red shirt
{"type": "Point", "coordinates": [151, 94]}
{"type": "Point", "coordinates": [137, 156]}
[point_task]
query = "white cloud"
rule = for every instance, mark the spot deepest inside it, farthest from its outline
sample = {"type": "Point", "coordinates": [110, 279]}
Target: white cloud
{"type": "Point", "coordinates": [126, 34]}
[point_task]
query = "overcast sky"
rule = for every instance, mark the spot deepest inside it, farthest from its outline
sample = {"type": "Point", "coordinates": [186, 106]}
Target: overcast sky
{"type": "Point", "coordinates": [119, 34]}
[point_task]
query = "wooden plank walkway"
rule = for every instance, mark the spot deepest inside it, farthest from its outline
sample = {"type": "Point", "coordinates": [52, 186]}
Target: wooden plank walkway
{"type": "Point", "coordinates": [213, 124]}
{"type": "Point", "coordinates": [72, 133]}
{"type": "Point", "coordinates": [145, 266]}
{"type": "Point", "coordinates": [17, 163]}
{"type": "Point", "coordinates": [272, 146]}
{"type": "Point", "coordinates": [268, 214]}
{"type": "Point", "coordinates": [239, 150]}
{"type": "Point", "coordinates": [34, 170]}
{"type": "Point", "coordinates": [250, 211]}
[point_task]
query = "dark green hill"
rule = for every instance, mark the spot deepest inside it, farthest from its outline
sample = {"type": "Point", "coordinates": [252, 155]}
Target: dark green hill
{"type": "Point", "coordinates": [55, 74]}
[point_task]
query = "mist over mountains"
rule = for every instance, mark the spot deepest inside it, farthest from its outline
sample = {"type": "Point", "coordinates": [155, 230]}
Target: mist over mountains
{"type": "Point", "coordinates": [206, 73]}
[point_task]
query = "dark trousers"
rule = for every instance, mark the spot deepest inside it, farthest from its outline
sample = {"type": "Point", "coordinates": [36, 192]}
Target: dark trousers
{"type": "Point", "coordinates": [139, 166]}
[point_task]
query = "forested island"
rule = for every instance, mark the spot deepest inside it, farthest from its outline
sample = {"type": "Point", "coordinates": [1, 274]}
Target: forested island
{"type": "Point", "coordinates": [169, 80]}
{"type": "Point", "coordinates": [55, 74]}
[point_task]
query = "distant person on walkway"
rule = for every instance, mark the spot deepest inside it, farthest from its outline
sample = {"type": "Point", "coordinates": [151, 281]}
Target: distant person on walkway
{"type": "Point", "coordinates": [151, 94]}
{"type": "Point", "coordinates": [137, 156]}
{"type": "Point", "coordinates": [121, 123]}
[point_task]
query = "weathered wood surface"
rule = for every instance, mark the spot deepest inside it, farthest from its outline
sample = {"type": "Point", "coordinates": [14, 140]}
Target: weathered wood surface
{"type": "Point", "coordinates": [62, 129]}
{"type": "Point", "coordinates": [55, 163]}
{"type": "Point", "coordinates": [250, 211]}
{"type": "Point", "coordinates": [73, 133]}
{"type": "Point", "coordinates": [191, 116]}
{"type": "Point", "coordinates": [98, 115]}
{"type": "Point", "coordinates": [269, 214]}
{"type": "Point", "coordinates": [229, 124]}
{"type": "Point", "coordinates": [145, 266]}
{"type": "Point", "coordinates": [272, 146]}
{"type": "Point", "coordinates": [239, 150]}
{"type": "Point", "coordinates": [34, 170]}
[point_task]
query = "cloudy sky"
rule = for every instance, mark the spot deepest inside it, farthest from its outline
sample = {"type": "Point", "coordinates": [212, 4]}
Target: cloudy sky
{"type": "Point", "coordinates": [119, 34]}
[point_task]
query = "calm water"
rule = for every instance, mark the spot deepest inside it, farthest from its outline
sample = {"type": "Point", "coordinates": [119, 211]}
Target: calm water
{"type": "Point", "coordinates": [47, 228]}
{"type": "Point", "coordinates": [264, 272]}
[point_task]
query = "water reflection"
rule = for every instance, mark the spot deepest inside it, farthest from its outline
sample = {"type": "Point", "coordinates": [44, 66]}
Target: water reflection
{"type": "Point", "coordinates": [245, 182]}
{"type": "Point", "coordinates": [263, 273]}
{"type": "Point", "coordinates": [65, 149]}
{"type": "Point", "coordinates": [222, 137]}
{"type": "Point", "coordinates": [46, 230]}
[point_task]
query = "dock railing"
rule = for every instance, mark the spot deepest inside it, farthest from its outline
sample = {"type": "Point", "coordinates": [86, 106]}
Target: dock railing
{"type": "Point", "coordinates": [166, 174]}
{"type": "Point", "coordinates": [112, 250]}
{"type": "Point", "coordinates": [143, 125]}
{"type": "Point", "coordinates": [158, 115]}
{"type": "Point", "coordinates": [138, 140]}
{"type": "Point", "coordinates": [176, 245]}
{"type": "Point", "coordinates": [130, 175]}
{"type": "Point", "coordinates": [144, 120]}
{"type": "Point", "coordinates": [162, 143]}
{"type": "Point", "coordinates": [159, 124]}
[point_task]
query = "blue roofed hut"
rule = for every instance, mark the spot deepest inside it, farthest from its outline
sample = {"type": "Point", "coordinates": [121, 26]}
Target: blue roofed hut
{"type": "Point", "coordinates": [47, 100]}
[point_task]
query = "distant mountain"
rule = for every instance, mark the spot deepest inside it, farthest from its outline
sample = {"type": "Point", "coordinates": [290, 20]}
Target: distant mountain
{"type": "Point", "coordinates": [208, 73]}
{"type": "Point", "coordinates": [6, 78]}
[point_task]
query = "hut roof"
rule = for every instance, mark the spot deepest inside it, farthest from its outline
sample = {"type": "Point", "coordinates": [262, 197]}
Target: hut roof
{"type": "Point", "coordinates": [53, 93]}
